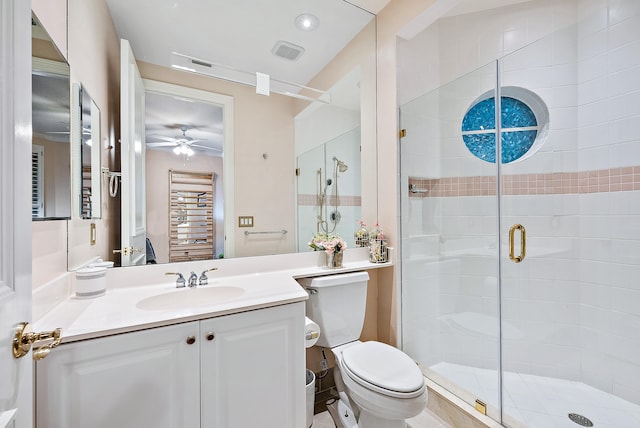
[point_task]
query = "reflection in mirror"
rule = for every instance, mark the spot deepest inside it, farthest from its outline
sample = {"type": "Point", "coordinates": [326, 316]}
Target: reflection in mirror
{"type": "Point", "coordinates": [183, 134]}
{"type": "Point", "coordinates": [329, 173]}
{"type": "Point", "coordinates": [87, 189]}
{"type": "Point", "coordinates": [260, 178]}
{"type": "Point", "coordinates": [50, 161]}
{"type": "Point", "coordinates": [191, 230]}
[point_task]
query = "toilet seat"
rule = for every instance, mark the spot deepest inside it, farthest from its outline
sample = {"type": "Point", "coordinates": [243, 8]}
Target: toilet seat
{"type": "Point", "coordinates": [384, 369]}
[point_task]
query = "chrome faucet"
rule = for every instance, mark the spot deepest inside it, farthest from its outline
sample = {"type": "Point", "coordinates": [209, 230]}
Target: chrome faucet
{"type": "Point", "coordinates": [193, 280]}
{"type": "Point", "coordinates": [204, 280]}
{"type": "Point", "coordinates": [180, 281]}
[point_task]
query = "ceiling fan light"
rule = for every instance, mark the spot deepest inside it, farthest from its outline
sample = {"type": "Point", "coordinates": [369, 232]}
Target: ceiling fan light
{"type": "Point", "coordinates": [189, 152]}
{"type": "Point", "coordinates": [176, 150]}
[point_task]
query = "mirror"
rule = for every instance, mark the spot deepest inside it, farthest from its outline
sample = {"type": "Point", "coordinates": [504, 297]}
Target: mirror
{"type": "Point", "coordinates": [50, 161]}
{"type": "Point", "coordinates": [265, 150]}
{"type": "Point", "coordinates": [329, 172]}
{"type": "Point", "coordinates": [86, 155]}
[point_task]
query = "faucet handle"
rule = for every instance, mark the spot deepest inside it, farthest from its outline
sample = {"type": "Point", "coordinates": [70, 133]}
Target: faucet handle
{"type": "Point", "coordinates": [180, 281]}
{"type": "Point", "coordinates": [204, 280]}
{"type": "Point", "coordinates": [193, 279]}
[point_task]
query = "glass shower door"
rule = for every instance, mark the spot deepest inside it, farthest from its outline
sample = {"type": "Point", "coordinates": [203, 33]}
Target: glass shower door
{"type": "Point", "coordinates": [539, 207]}
{"type": "Point", "coordinates": [569, 308]}
{"type": "Point", "coordinates": [450, 300]}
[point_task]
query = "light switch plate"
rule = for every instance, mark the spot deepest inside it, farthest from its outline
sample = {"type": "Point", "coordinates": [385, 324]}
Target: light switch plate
{"type": "Point", "coordinates": [245, 221]}
{"type": "Point", "coordinates": [92, 234]}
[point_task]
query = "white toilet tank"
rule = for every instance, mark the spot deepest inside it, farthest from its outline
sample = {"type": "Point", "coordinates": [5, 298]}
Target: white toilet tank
{"type": "Point", "coordinates": [337, 304]}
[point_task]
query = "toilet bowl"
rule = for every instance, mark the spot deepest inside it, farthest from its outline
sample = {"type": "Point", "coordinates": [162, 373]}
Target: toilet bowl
{"type": "Point", "coordinates": [385, 384]}
{"type": "Point", "coordinates": [378, 384]}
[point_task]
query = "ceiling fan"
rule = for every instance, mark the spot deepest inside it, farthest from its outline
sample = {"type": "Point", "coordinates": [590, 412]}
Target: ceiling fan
{"type": "Point", "coordinates": [182, 144]}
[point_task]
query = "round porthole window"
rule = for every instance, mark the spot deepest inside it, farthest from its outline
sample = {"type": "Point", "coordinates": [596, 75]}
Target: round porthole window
{"type": "Point", "coordinates": [524, 122]}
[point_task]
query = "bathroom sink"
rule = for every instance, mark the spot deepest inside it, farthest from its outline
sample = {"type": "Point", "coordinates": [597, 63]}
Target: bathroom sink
{"type": "Point", "coordinates": [190, 298]}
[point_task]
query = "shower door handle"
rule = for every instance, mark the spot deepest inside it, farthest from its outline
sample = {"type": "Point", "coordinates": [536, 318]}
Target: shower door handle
{"type": "Point", "coordinates": [523, 243]}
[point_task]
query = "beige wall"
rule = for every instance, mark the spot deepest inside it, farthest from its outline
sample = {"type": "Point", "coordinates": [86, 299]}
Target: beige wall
{"type": "Point", "coordinates": [48, 251]}
{"type": "Point", "coordinates": [95, 63]}
{"type": "Point", "coordinates": [158, 164]}
{"type": "Point", "coordinates": [53, 17]}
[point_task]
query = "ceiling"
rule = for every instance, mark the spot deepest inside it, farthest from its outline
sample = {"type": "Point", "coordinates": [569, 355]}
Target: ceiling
{"type": "Point", "coordinates": [238, 34]}
{"type": "Point", "coordinates": [167, 117]}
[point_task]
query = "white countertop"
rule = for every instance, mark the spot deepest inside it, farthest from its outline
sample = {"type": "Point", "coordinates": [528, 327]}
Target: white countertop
{"type": "Point", "coordinates": [266, 281]}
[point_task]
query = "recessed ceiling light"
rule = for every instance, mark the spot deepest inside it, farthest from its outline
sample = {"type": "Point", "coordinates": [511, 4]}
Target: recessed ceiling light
{"type": "Point", "coordinates": [307, 22]}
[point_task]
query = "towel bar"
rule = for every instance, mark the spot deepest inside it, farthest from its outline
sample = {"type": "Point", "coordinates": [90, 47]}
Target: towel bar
{"type": "Point", "coordinates": [283, 232]}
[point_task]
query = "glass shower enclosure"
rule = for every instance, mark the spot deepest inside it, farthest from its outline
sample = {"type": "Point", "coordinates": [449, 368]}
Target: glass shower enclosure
{"type": "Point", "coordinates": [519, 276]}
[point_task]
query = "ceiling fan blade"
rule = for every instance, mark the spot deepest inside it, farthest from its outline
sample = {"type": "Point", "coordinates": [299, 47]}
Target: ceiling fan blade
{"type": "Point", "coordinates": [159, 144]}
{"type": "Point", "coordinates": [215, 149]}
{"type": "Point", "coordinates": [162, 137]}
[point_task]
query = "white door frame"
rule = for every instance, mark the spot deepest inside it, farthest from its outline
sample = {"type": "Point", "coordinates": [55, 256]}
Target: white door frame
{"type": "Point", "coordinates": [16, 389]}
{"type": "Point", "coordinates": [226, 102]}
{"type": "Point", "coordinates": [133, 217]}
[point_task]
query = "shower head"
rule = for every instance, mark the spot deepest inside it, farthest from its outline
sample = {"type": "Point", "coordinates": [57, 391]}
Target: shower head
{"type": "Point", "coordinates": [342, 167]}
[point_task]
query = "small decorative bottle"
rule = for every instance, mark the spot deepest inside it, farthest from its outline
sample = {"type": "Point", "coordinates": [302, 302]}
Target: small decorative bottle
{"type": "Point", "coordinates": [377, 246]}
{"type": "Point", "coordinates": [362, 235]}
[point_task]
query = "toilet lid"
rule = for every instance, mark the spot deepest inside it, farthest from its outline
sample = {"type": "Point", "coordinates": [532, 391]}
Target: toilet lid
{"type": "Point", "coordinates": [383, 366]}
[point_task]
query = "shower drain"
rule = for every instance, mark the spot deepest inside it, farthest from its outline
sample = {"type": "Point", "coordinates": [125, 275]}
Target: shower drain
{"type": "Point", "coordinates": [580, 420]}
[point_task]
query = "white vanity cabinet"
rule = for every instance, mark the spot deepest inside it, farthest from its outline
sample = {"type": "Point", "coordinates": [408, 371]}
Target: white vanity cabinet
{"type": "Point", "coordinates": [236, 371]}
{"type": "Point", "coordinates": [148, 378]}
{"type": "Point", "coordinates": [253, 371]}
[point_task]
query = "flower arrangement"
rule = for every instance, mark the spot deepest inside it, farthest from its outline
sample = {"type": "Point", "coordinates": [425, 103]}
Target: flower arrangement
{"type": "Point", "coordinates": [329, 243]}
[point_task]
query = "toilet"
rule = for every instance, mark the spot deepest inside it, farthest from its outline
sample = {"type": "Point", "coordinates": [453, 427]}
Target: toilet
{"type": "Point", "coordinates": [379, 385]}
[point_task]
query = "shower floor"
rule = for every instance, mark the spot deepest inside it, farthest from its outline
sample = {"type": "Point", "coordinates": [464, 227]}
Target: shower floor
{"type": "Point", "coordinates": [542, 402]}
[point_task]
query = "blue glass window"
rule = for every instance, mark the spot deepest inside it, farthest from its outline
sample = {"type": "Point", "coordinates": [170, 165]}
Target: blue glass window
{"type": "Point", "coordinates": [519, 129]}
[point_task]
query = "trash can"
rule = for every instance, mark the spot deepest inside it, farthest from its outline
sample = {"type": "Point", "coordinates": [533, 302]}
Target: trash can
{"type": "Point", "coordinates": [311, 394]}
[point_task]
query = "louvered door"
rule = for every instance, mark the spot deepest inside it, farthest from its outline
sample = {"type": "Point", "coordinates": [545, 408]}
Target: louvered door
{"type": "Point", "coordinates": [191, 226]}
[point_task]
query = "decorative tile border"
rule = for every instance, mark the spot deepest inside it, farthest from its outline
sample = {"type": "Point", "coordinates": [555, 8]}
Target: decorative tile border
{"type": "Point", "coordinates": [597, 181]}
{"type": "Point", "coordinates": [343, 201]}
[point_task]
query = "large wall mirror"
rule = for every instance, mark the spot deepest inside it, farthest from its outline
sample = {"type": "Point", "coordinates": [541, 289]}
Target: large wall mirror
{"type": "Point", "coordinates": [333, 70]}
{"type": "Point", "coordinates": [50, 161]}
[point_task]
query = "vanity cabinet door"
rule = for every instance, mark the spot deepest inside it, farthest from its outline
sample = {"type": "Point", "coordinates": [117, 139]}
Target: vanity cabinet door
{"type": "Point", "coordinates": [142, 379]}
{"type": "Point", "coordinates": [253, 370]}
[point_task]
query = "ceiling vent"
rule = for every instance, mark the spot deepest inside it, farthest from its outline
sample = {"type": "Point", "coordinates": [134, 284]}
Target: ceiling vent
{"type": "Point", "coordinates": [287, 50]}
{"type": "Point", "coordinates": [185, 62]}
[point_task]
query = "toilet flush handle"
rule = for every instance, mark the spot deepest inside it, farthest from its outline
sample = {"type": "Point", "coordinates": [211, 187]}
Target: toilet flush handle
{"type": "Point", "coordinates": [311, 290]}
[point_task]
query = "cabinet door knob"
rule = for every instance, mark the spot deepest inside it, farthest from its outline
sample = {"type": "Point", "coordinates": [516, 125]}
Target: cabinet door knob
{"type": "Point", "coordinates": [210, 336]}
{"type": "Point", "coordinates": [191, 340]}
